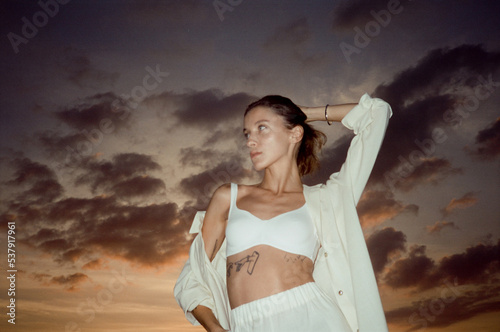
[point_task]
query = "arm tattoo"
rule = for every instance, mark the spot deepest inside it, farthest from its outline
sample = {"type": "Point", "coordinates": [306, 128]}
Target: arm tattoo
{"type": "Point", "coordinates": [292, 259]}
{"type": "Point", "coordinates": [250, 259]}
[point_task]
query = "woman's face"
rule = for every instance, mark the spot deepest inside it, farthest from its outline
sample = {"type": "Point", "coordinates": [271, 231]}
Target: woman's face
{"type": "Point", "coordinates": [268, 140]}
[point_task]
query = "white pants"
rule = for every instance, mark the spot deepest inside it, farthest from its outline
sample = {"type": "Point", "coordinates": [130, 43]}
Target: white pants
{"type": "Point", "coordinates": [303, 308]}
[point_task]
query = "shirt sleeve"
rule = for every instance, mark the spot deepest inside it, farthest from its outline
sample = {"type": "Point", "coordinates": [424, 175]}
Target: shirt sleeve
{"type": "Point", "coordinates": [201, 282]}
{"type": "Point", "coordinates": [368, 120]}
{"type": "Point", "coordinates": [190, 291]}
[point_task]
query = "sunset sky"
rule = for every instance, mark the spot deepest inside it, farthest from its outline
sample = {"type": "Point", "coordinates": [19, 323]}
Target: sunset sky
{"type": "Point", "coordinates": [119, 119]}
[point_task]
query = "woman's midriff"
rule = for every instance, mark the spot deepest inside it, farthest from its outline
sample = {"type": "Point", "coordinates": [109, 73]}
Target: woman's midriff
{"type": "Point", "coordinates": [262, 271]}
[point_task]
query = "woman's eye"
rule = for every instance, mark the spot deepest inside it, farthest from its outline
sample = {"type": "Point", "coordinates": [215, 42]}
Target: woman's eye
{"type": "Point", "coordinates": [246, 135]}
{"type": "Point", "coordinates": [262, 127]}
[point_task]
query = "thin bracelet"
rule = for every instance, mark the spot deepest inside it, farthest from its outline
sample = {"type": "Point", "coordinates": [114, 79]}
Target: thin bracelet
{"type": "Point", "coordinates": [326, 115]}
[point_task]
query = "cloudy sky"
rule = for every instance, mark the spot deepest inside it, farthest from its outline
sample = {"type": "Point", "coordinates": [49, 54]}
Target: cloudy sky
{"type": "Point", "coordinates": [119, 118]}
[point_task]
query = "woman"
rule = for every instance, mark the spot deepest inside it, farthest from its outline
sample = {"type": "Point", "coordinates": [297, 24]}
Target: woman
{"type": "Point", "coordinates": [280, 255]}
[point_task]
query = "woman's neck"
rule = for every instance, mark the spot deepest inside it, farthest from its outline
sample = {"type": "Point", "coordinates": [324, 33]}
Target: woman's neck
{"type": "Point", "coordinates": [281, 179]}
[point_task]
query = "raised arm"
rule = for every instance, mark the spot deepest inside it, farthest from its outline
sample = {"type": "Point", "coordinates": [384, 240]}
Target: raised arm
{"type": "Point", "coordinates": [368, 120]}
{"type": "Point", "coordinates": [333, 112]}
{"type": "Point", "coordinates": [213, 233]}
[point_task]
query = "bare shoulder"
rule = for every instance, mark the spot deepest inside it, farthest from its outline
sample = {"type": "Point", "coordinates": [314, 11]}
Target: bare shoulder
{"type": "Point", "coordinates": [220, 202]}
{"type": "Point", "coordinates": [245, 190]}
{"type": "Point", "coordinates": [222, 195]}
{"type": "Point", "coordinates": [215, 221]}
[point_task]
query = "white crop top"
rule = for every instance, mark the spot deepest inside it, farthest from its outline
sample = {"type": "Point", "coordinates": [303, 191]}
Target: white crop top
{"type": "Point", "coordinates": [291, 231]}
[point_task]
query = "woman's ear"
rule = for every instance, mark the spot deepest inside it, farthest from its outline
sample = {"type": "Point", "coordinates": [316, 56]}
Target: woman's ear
{"type": "Point", "coordinates": [296, 134]}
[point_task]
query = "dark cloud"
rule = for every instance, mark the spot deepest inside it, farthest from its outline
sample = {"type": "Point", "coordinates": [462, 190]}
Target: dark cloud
{"type": "Point", "coordinates": [70, 282]}
{"type": "Point", "coordinates": [105, 113]}
{"type": "Point", "coordinates": [439, 225]}
{"type": "Point", "coordinates": [425, 99]}
{"type": "Point", "coordinates": [411, 271]}
{"type": "Point", "coordinates": [96, 264]}
{"type": "Point", "coordinates": [450, 304]}
{"type": "Point", "coordinates": [477, 265]}
{"type": "Point", "coordinates": [227, 135]}
{"type": "Point", "coordinates": [124, 175]}
{"type": "Point", "coordinates": [91, 120]}
{"type": "Point", "coordinates": [487, 144]}
{"type": "Point", "coordinates": [71, 209]}
{"type": "Point", "coordinates": [200, 186]}
{"type": "Point", "coordinates": [207, 157]}
{"type": "Point", "coordinates": [467, 200]}
{"type": "Point", "coordinates": [428, 171]}
{"type": "Point", "coordinates": [145, 235]}
{"type": "Point", "coordinates": [412, 129]}
{"type": "Point", "coordinates": [199, 157]}
{"type": "Point", "coordinates": [348, 14]}
{"type": "Point", "coordinates": [73, 255]}
{"type": "Point", "coordinates": [208, 108]}
{"type": "Point", "coordinates": [37, 182]}
{"type": "Point", "coordinates": [29, 172]}
{"type": "Point", "coordinates": [79, 230]}
{"type": "Point", "coordinates": [55, 246]}
{"type": "Point", "coordinates": [148, 235]}
{"type": "Point", "coordinates": [40, 277]}
{"type": "Point", "coordinates": [57, 144]}
{"type": "Point", "coordinates": [42, 192]}
{"type": "Point", "coordinates": [43, 235]}
{"type": "Point", "coordinates": [384, 243]}
{"type": "Point", "coordinates": [377, 206]}
{"type": "Point", "coordinates": [440, 73]}
{"type": "Point", "coordinates": [138, 186]}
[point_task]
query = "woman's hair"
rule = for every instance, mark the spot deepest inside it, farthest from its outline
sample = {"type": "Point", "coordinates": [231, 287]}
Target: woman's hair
{"type": "Point", "coordinates": [312, 140]}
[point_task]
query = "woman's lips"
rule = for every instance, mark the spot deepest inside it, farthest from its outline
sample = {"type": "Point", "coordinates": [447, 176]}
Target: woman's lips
{"type": "Point", "coordinates": [254, 154]}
